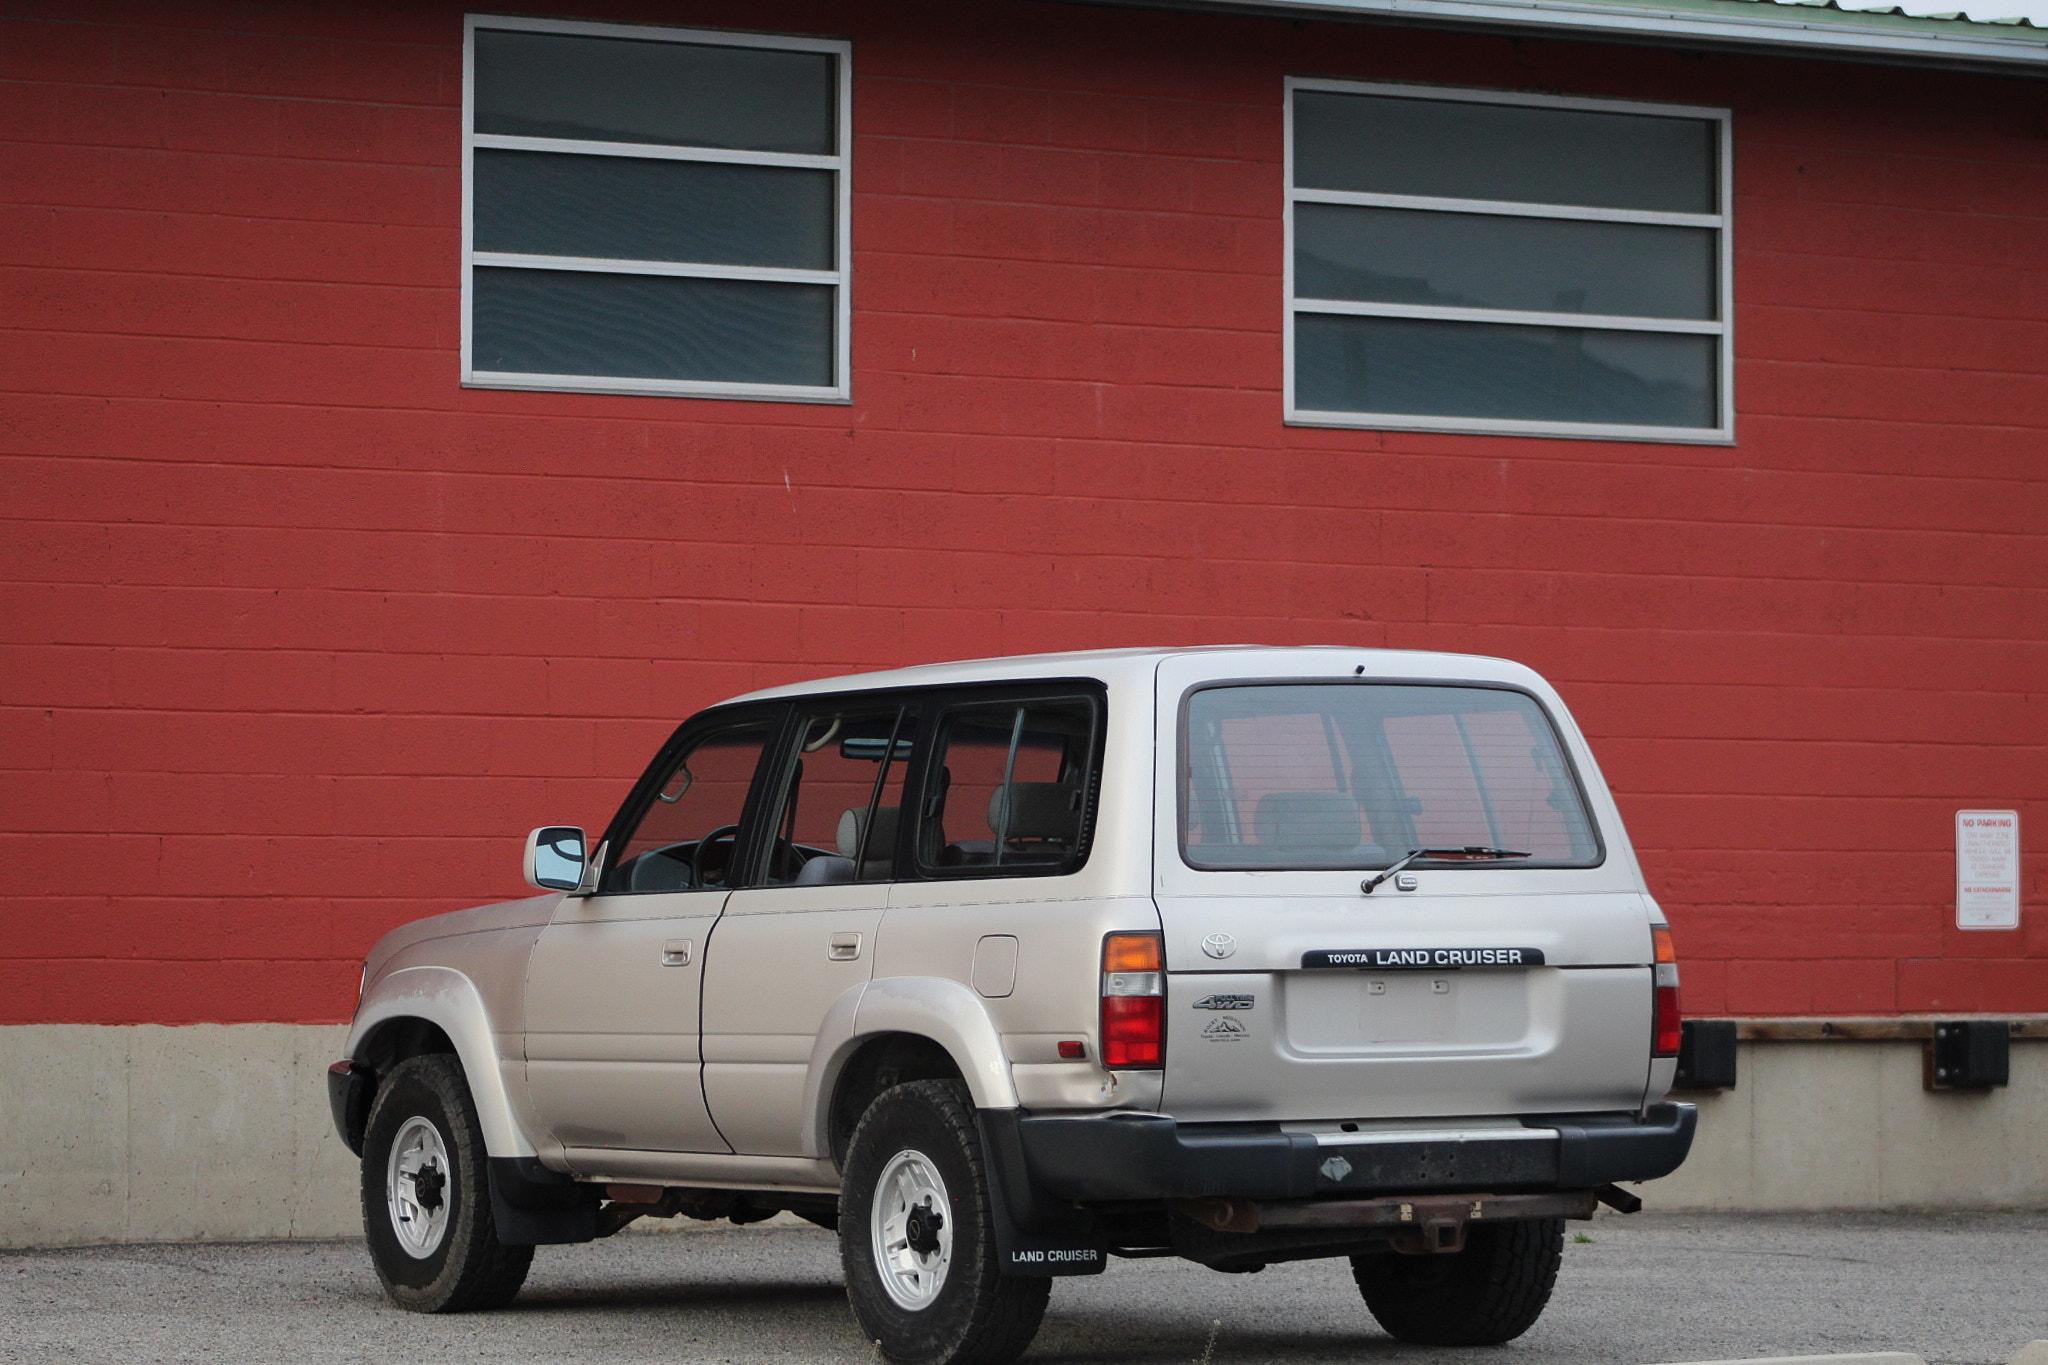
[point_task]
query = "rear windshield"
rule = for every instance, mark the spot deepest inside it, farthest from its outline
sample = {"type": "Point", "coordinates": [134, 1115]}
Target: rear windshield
{"type": "Point", "coordinates": [1343, 775]}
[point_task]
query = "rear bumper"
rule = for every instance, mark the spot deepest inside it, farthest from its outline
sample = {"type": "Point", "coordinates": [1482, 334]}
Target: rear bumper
{"type": "Point", "coordinates": [1151, 1156]}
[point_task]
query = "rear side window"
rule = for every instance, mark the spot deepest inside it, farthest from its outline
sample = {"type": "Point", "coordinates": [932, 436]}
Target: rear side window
{"type": "Point", "coordinates": [841, 789]}
{"type": "Point", "coordinates": [1348, 775]}
{"type": "Point", "coordinates": [1009, 792]}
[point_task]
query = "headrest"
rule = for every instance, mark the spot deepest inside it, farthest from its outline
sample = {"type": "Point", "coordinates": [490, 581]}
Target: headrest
{"type": "Point", "coordinates": [1308, 822]}
{"type": "Point", "coordinates": [881, 843]}
{"type": "Point", "coordinates": [1038, 810]}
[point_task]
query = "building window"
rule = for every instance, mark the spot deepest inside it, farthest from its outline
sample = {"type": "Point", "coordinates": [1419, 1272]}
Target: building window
{"type": "Point", "coordinates": [654, 210]}
{"type": "Point", "coordinates": [1478, 262]}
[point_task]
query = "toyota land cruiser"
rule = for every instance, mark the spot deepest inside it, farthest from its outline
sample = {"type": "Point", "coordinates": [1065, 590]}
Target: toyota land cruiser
{"type": "Point", "coordinates": [1004, 968]}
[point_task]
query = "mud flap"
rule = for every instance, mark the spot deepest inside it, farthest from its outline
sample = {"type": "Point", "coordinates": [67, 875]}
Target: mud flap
{"type": "Point", "coordinates": [1035, 1236]}
{"type": "Point", "coordinates": [534, 1206]}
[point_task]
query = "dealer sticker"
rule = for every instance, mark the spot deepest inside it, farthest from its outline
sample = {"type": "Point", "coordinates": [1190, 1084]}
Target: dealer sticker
{"type": "Point", "coordinates": [1224, 1030]}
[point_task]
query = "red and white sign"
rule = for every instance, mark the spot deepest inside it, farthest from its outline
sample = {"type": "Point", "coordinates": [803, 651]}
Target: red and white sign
{"type": "Point", "coordinates": [1987, 869]}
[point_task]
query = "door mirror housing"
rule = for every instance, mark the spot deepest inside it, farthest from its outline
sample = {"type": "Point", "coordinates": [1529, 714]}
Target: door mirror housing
{"type": "Point", "coordinates": [555, 858]}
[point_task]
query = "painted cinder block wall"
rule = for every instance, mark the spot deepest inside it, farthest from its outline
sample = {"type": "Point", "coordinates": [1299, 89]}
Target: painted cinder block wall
{"type": "Point", "coordinates": [300, 637]}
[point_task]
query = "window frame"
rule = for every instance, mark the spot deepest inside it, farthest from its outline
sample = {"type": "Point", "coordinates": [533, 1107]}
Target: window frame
{"type": "Point", "coordinates": [1721, 222]}
{"type": "Point", "coordinates": [924, 773]}
{"type": "Point", "coordinates": [773, 717]}
{"type": "Point", "coordinates": [839, 278]}
{"type": "Point", "coordinates": [1183, 753]}
{"type": "Point", "coordinates": [781, 764]}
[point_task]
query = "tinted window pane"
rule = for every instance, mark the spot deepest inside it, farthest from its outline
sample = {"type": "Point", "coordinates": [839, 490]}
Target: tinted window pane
{"type": "Point", "coordinates": [1464, 260]}
{"type": "Point", "coordinates": [643, 210]}
{"type": "Point", "coordinates": [1356, 776]}
{"type": "Point", "coordinates": [1462, 369]}
{"type": "Point", "coordinates": [650, 327]}
{"type": "Point", "coordinates": [1012, 788]}
{"type": "Point", "coordinates": [842, 796]}
{"type": "Point", "coordinates": [629, 90]}
{"type": "Point", "coordinates": [1390, 145]}
{"type": "Point", "coordinates": [700, 795]}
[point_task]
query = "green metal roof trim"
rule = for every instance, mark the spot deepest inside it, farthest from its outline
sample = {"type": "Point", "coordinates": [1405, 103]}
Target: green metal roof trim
{"type": "Point", "coordinates": [1894, 17]}
{"type": "Point", "coordinates": [1840, 28]}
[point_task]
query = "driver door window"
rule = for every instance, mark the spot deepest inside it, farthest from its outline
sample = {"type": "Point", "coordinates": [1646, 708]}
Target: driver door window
{"type": "Point", "coordinates": [685, 837]}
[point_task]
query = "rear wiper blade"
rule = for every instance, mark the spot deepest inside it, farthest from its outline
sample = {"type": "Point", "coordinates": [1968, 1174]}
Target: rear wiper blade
{"type": "Point", "coordinates": [1468, 852]}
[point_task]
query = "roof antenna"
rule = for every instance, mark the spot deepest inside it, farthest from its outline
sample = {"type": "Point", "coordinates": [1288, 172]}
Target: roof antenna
{"type": "Point", "coordinates": [1358, 671]}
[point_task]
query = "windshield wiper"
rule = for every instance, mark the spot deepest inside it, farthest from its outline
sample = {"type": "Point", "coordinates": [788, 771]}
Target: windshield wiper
{"type": "Point", "coordinates": [1469, 852]}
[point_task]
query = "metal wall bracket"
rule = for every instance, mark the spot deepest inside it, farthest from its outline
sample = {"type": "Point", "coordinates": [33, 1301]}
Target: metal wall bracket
{"type": "Point", "coordinates": [1968, 1054]}
{"type": "Point", "coordinates": [1706, 1055]}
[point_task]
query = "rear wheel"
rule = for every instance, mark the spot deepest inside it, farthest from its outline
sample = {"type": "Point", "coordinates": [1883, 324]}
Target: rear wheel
{"type": "Point", "coordinates": [1491, 1292]}
{"type": "Point", "coordinates": [916, 1238]}
{"type": "Point", "coordinates": [427, 1197]}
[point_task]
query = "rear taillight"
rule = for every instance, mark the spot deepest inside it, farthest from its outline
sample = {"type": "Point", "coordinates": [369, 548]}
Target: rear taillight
{"type": "Point", "coordinates": [1133, 1002]}
{"type": "Point", "coordinates": [1669, 1023]}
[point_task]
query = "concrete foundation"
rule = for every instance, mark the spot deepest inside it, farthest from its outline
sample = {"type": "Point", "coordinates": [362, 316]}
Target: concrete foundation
{"type": "Point", "coordinates": [146, 1133]}
{"type": "Point", "coordinates": [150, 1134]}
{"type": "Point", "coordinates": [1847, 1125]}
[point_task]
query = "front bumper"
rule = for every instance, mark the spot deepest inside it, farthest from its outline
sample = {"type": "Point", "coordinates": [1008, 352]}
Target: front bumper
{"type": "Point", "coordinates": [1151, 1156]}
{"type": "Point", "coordinates": [350, 1086]}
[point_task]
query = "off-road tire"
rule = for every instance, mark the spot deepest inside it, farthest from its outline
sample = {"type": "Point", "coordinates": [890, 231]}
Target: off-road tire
{"type": "Point", "coordinates": [1491, 1292]}
{"type": "Point", "coordinates": [979, 1314]}
{"type": "Point", "coordinates": [470, 1269]}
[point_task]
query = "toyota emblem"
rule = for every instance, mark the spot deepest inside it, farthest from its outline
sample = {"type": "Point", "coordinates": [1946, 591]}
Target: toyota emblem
{"type": "Point", "coordinates": [1219, 945]}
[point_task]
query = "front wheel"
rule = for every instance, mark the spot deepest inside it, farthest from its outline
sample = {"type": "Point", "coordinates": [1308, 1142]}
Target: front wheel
{"type": "Point", "coordinates": [427, 1197]}
{"type": "Point", "coordinates": [916, 1239]}
{"type": "Point", "coordinates": [1488, 1293]}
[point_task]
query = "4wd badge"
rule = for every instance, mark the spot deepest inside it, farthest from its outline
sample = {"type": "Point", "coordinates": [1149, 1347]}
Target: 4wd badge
{"type": "Point", "coordinates": [1224, 1002]}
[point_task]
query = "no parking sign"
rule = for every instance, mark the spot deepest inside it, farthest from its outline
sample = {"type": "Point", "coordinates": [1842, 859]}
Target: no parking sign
{"type": "Point", "coordinates": [1987, 869]}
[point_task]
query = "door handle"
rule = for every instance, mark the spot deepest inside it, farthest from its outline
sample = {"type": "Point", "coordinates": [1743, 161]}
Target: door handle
{"type": "Point", "coordinates": [675, 953]}
{"type": "Point", "coordinates": [843, 947]}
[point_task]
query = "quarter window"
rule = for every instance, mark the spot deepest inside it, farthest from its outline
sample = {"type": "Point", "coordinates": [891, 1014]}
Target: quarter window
{"type": "Point", "coordinates": [655, 210]}
{"type": "Point", "coordinates": [1009, 794]}
{"type": "Point", "coordinates": [1470, 261]}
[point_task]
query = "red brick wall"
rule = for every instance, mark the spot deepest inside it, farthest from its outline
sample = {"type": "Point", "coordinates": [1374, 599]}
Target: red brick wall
{"type": "Point", "coordinates": [300, 637]}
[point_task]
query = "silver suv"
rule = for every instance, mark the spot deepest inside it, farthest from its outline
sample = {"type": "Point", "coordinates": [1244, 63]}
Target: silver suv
{"type": "Point", "coordinates": [1003, 968]}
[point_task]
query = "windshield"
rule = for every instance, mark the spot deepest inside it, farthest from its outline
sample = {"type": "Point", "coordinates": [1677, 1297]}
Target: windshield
{"type": "Point", "coordinates": [1357, 775]}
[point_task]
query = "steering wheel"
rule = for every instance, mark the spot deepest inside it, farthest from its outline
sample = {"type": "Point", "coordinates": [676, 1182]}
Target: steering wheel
{"type": "Point", "coordinates": [697, 853]}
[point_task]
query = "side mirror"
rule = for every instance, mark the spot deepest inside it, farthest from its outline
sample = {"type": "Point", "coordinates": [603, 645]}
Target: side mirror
{"type": "Point", "coordinates": [555, 858]}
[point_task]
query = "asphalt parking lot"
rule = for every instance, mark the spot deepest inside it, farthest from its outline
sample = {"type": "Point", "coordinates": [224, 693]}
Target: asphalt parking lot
{"type": "Point", "coordinates": [1954, 1288]}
